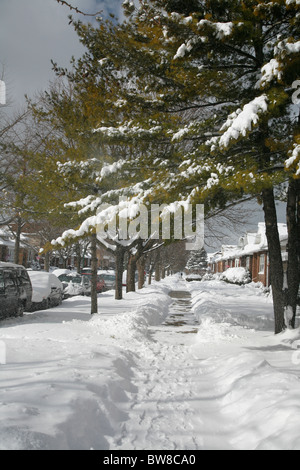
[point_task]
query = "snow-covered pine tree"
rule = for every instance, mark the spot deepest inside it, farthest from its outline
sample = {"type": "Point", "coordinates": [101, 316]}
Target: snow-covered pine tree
{"type": "Point", "coordinates": [197, 262]}
{"type": "Point", "coordinates": [209, 85]}
{"type": "Point", "coordinates": [241, 61]}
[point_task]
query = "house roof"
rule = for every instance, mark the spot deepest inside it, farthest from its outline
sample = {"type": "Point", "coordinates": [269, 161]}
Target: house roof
{"type": "Point", "coordinates": [6, 239]}
{"type": "Point", "coordinates": [250, 243]}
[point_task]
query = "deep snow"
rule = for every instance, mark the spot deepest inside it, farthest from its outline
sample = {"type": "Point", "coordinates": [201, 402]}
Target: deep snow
{"type": "Point", "coordinates": [125, 380]}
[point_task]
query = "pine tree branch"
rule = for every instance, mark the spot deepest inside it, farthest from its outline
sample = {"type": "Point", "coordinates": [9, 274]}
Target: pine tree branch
{"type": "Point", "coordinates": [199, 106]}
{"type": "Point", "coordinates": [241, 52]}
{"type": "Point", "coordinates": [76, 9]}
{"type": "Point", "coordinates": [13, 123]}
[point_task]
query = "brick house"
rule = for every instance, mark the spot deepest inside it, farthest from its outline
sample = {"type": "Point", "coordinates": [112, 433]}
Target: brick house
{"type": "Point", "coordinates": [250, 253]}
{"type": "Point", "coordinates": [7, 249]}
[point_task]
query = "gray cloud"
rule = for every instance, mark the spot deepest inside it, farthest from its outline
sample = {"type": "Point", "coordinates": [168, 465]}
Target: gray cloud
{"type": "Point", "coordinates": [34, 32]}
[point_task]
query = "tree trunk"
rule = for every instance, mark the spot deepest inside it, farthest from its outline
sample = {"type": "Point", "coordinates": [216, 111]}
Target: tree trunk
{"type": "Point", "coordinates": [120, 253]}
{"type": "Point", "coordinates": [298, 225]}
{"type": "Point", "coordinates": [18, 241]}
{"type": "Point", "coordinates": [276, 266]}
{"type": "Point", "coordinates": [131, 270]}
{"type": "Point", "coordinates": [272, 233]}
{"type": "Point", "coordinates": [157, 266]}
{"type": "Point", "coordinates": [94, 295]}
{"type": "Point", "coordinates": [47, 261]}
{"type": "Point", "coordinates": [141, 271]}
{"type": "Point", "coordinates": [78, 256]}
{"type": "Point", "coordinates": [293, 275]}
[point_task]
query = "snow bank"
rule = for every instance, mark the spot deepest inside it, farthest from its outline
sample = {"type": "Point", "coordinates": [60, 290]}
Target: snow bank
{"type": "Point", "coordinates": [219, 306]}
{"type": "Point", "coordinates": [69, 375]}
{"type": "Point", "coordinates": [261, 400]}
{"type": "Point", "coordinates": [73, 381]}
{"type": "Point", "coordinates": [151, 310]}
{"type": "Point", "coordinates": [290, 337]}
{"type": "Point", "coordinates": [256, 384]}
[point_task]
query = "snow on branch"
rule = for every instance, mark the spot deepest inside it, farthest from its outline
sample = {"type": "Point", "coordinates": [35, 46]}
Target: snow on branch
{"type": "Point", "coordinates": [286, 47]}
{"type": "Point", "coordinates": [188, 47]}
{"type": "Point", "coordinates": [127, 131]}
{"type": "Point", "coordinates": [221, 29]}
{"type": "Point", "coordinates": [240, 122]}
{"type": "Point", "coordinates": [295, 158]}
{"type": "Point", "coordinates": [290, 2]}
{"type": "Point", "coordinates": [108, 170]}
{"type": "Point", "coordinates": [269, 72]}
{"type": "Point", "coordinates": [83, 168]}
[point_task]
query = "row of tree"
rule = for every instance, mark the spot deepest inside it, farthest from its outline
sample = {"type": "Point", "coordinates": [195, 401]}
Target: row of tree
{"type": "Point", "coordinates": [185, 102]}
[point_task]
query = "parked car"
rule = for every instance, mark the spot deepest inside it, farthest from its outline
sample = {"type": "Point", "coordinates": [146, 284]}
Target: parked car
{"type": "Point", "coordinates": [87, 276]}
{"type": "Point", "coordinates": [109, 278]}
{"type": "Point", "coordinates": [15, 290]}
{"type": "Point", "coordinates": [124, 280]}
{"type": "Point", "coordinates": [47, 290]}
{"type": "Point", "coordinates": [193, 277]}
{"type": "Point", "coordinates": [73, 283]}
{"type": "Point", "coordinates": [86, 271]}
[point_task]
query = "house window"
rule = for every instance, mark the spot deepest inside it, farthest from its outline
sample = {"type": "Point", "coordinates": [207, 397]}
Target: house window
{"type": "Point", "coordinates": [237, 263]}
{"type": "Point", "coordinates": [248, 263]}
{"type": "Point", "coordinates": [11, 254]}
{"type": "Point", "coordinates": [262, 260]}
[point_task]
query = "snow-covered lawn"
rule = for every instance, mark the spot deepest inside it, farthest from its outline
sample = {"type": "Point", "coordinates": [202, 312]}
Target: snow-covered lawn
{"type": "Point", "coordinates": [124, 380]}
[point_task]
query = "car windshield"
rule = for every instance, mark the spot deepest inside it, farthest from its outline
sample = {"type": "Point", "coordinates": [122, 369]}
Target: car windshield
{"type": "Point", "coordinates": [86, 279]}
{"type": "Point", "coordinates": [1, 280]}
{"type": "Point", "coordinates": [108, 277]}
{"type": "Point", "coordinates": [89, 276]}
{"type": "Point", "coordinates": [74, 279]}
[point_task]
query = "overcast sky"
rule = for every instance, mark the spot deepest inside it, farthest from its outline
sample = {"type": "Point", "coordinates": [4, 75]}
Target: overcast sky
{"type": "Point", "coordinates": [32, 32]}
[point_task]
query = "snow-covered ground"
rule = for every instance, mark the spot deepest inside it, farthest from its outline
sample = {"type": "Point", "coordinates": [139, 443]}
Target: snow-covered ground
{"type": "Point", "coordinates": [137, 377]}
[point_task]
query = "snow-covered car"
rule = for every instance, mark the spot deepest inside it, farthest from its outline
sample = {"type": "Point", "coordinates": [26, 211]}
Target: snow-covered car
{"type": "Point", "coordinates": [47, 290]}
{"type": "Point", "coordinates": [73, 283]}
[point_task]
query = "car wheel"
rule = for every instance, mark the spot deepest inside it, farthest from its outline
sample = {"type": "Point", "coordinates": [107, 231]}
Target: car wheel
{"type": "Point", "coordinates": [20, 309]}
